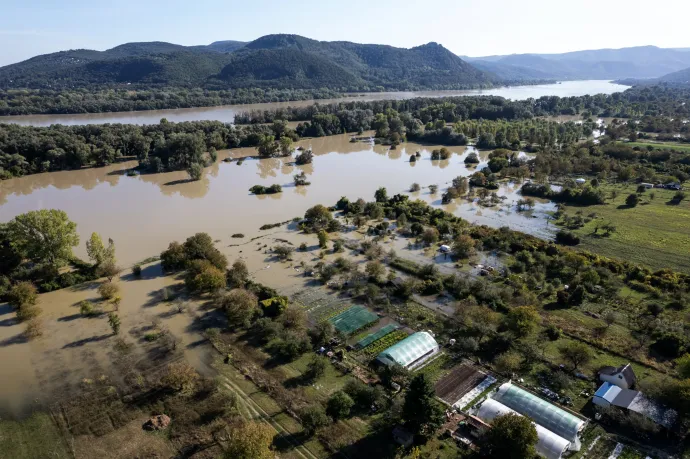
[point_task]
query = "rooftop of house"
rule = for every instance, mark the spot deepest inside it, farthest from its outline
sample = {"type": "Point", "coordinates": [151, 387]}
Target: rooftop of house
{"type": "Point", "coordinates": [626, 370]}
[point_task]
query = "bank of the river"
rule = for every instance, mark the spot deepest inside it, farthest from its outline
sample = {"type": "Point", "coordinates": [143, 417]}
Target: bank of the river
{"type": "Point", "coordinates": [144, 213]}
{"type": "Point", "coordinates": [227, 113]}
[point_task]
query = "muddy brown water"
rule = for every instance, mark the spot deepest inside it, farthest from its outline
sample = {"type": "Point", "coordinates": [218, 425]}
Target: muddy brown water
{"type": "Point", "coordinates": [227, 113]}
{"type": "Point", "coordinates": [143, 214]}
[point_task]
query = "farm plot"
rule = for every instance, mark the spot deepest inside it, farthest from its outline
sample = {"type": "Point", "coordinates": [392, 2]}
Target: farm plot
{"type": "Point", "coordinates": [370, 338]}
{"type": "Point", "coordinates": [457, 383]}
{"type": "Point", "coordinates": [384, 343]}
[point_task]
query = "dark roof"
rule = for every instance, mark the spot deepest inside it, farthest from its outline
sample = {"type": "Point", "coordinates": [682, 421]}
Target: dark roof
{"type": "Point", "coordinates": [626, 370]}
{"type": "Point", "coordinates": [625, 398]}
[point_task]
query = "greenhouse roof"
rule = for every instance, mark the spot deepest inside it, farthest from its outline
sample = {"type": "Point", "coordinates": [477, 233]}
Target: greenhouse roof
{"type": "Point", "coordinates": [409, 350]}
{"type": "Point", "coordinates": [540, 411]}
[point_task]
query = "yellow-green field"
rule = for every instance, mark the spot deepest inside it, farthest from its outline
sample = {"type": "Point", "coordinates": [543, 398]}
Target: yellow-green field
{"type": "Point", "coordinates": [33, 438]}
{"type": "Point", "coordinates": [655, 233]}
{"type": "Point", "coordinates": [661, 145]}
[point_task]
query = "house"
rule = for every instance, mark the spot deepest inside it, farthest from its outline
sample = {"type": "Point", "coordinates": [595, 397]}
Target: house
{"type": "Point", "coordinates": [623, 376]}
{"type": "Point", "coordinates": [611, 395]}
{"type": "Point", "coordinates": [402, 437]}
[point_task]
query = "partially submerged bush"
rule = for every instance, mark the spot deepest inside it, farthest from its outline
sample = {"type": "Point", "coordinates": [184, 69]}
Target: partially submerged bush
{"type": "Point", "coordinates": [108, 290]}
{"type": "Point", "coordinates": [259, 189]}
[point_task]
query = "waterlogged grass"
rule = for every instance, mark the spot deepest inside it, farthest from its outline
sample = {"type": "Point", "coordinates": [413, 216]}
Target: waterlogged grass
{"type": "Point", "coordinates": [36, 437]}
{"type": "Point", "coordinates": [655, 233]}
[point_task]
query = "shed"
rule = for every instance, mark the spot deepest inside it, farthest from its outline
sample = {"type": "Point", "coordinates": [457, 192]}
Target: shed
{"type": "Point", "coordinates": [623, 376]}
{"type": "Point", "coordinates": [410, 352]}
{"type": "Point", "coordinates": [580, 181]}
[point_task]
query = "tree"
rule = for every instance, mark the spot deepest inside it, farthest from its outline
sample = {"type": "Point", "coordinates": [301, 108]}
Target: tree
{"type": "Point", "coordinates": [98, 252]}
{"type": "Point", "coordinates": [511, 436]}
{"type": "Point", "coordinates": [522, 320]}
{"type": "Point", "coordinates": [200, 247]}
{"type": "Point", "coordinates": [285, 146]}
{"type": "Point", "coordinates": [313, 417]}
{"type": "Point", "coordinates": [108, 290]}
{"type": "Point", "coordinates": [323, 239]}
{"type": "Point", "coordinates": [306, 157]}
{"type": "Point", "coordinates": [238, 274]}
{"type": "Point", "coordinates": [284, 252]}
{"type": "Point", "coordinates": [632, 200]}
{"type": "Point", "coordinates": [430, 236]}
{"type": "Point", "coordinates": [202, 276]}
{"type": "Point", "coordinates": [23, 294]}
{"type": "Point", "coordinates": [180, 377]}
{"type": "Point", "coordinates": [195, 171]}
{"type": "Point", "coordinates": [683, 366]}
{"type": "Point", "coordinates": [508, 362]}
{"type": "Point", "coordinates": [339, 405]}
{"type": "Point", "coordinates": [239, 305]}
{"type": "Point", "coordinates": [463, 246]}
{"type": "Point", "coordinates": [318, 217]}
{"type": "Point", "coordinates": [114, 322]}
{"type": "Point", "coordinates": [316, 368]}
{"type": "Point", "coordinates": [381, 195]}
{"type": "Point", "coordinates": [109, 270]}
{"type": "Point", "coordinates": [44, 236]}
{"type": "Point", "coordinates": [174, 258]}
{"type": "Point", "coordinates": [375, 269]}
{"type": "Point", "coordinates": [421, 412]}
{"type": "Point", "coordinates": [322, 333]}
{"type": "Point", "coordinates": [576, 353]}
{"type": "Point", "coordinates": [249, 440]}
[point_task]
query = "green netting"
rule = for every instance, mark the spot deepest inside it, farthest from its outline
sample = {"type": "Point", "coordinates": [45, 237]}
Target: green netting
{"type": "Point", "coordinates": [367, 340]}
{"type": "Point", "coordinates": [353, 319]}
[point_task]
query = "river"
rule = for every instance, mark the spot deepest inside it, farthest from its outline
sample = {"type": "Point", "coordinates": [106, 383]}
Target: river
{"type": "Point", "coordinates": [227, 113]}
{"type": "Point", "coordinates": [144, 213]}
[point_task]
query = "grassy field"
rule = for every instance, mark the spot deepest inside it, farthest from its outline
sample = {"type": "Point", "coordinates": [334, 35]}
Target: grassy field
{"type": "Point", "coordinates": [36, 437]}
{"type": "Point", "coordinates": [661, 145]}
{"type": "Point", "coordinates": [655, 233]}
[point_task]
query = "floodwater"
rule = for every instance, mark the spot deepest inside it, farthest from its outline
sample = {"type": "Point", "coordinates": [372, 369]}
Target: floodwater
{"type": "Point", "coordinates": [226, 113]}
{"type": "Point", "coordinates": [142, 214]}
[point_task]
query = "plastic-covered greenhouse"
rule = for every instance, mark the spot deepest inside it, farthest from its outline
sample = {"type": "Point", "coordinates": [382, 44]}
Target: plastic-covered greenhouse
{"type": "Point", "coordinates": [410, 352]}
{"type": "Point", "coordinates": [549, 445]}
{"type": "Point", "coordinates": [542, 412]}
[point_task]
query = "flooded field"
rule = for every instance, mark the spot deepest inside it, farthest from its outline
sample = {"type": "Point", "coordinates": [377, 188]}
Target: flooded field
{"type": "Point", "coordinates": [227, 113]}
{"type": "Point", "coordinates": [142, 214]}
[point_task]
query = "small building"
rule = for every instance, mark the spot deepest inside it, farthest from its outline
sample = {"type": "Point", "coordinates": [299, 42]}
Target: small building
{"type": "Point", "coordinates": [402, 436]}
{"type": "Point", "coordinates": [611, 395]}
{"type": "Point", "coordinates": [647, 185]}
{"type": "Point", "coordinates": [410, 352]}
{"type": "Point", "coordinates": [444, 249]}
{"type": "Point", "coordinates": [580, 181]}
{"type": "Point", "coordinates": [623, 376]}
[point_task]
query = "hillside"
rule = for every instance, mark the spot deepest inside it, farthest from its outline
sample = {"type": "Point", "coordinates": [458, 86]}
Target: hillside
{"type": "Point", "coordinates": [282, 61]}
{"type": "Point", "coordinates": [635, 62]}
{"type": "Point", "coordinates": [681, 76]}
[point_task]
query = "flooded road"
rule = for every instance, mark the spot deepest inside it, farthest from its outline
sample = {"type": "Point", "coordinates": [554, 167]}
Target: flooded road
{"type": "Point", "coordinates": [142, 214]}
{"type": "Point", "coordinates": [226, 113]}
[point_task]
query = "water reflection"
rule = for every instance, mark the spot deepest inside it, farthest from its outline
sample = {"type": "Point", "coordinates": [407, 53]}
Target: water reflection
{"type": "Point", "coordinates": [166, 207]}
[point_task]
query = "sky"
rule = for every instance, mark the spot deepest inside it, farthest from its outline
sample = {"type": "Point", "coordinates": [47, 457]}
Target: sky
{"type": "Point", "coordinates": [472, 28]}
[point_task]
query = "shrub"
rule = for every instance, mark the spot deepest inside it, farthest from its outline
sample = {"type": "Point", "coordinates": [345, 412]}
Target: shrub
{"type": "Point", "coordinates": [415, 187]}
{"type": "Point", "coordinates": [567, 238]}
{"type": "Point", "coordinates": [28, 312]}
{"type": "Point", "coordinates": [174, 258]}
{"type": "Point", "coordinates": [136, 270]}
{"type": "Point", "coordinates": [108, 290]}
{"type": "Point", "coordinates": [195, 171]}
{"type": "Point", "coordinates": [23, 294]}
{"type": "Point", "coordinates": [313, 417]}
{"type": "Point", "coordinates": [202, 276]}
{"type": "Point", "coordinates": [86, 308]}
{"type": "Point", "coordinates": [306, 157]}
{"type": "Point", "coordinates": [472, 158]}
{"type": "Point", "coordinates": [238, 235]}
{"type": "Point", "coordinates": [413, 159]}
{"type": "Point", "coordinates": [339, 405]}
{"type": "Point", "coordinates": [273, 189]}
{"type": "Point", "coordinates": [284, 252]}
{"type": "Point", "coordinates": [632, 200]}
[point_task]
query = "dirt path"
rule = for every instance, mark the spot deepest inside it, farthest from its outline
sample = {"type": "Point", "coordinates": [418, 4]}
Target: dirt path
{"type": "Point", "coordinates": [258, 413]}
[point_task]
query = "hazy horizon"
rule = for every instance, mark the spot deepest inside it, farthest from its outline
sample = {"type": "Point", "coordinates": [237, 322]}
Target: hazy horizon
{"type": "Point", "coordinates": [466, 28]}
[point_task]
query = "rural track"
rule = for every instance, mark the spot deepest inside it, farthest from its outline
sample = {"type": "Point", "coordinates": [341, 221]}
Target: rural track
{"type": "Point", "coordinates": [254, 409]}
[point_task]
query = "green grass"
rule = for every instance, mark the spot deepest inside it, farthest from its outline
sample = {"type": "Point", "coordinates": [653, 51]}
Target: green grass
{"type": "Point", "coordinates": [661, 145]}
{"type": "Point", "coordinates": [36, 437]}
{"type": "Point", "coordinates": [654, 233]}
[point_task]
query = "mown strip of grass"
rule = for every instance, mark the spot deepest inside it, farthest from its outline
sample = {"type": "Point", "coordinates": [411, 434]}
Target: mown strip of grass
{"type": "Point", "coordinates": [661, 146]}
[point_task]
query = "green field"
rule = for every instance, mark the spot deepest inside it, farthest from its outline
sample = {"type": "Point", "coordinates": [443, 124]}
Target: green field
{"type": "Point", "coordinates": [33, 438]}
{"type": "Point", "coordinates": [661, 145]}
{"type": "Point", "coordinates": [655, 233]}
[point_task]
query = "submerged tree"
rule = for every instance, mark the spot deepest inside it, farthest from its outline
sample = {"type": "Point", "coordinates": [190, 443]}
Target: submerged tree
{"type": "Point", "coordinates": [44, 236]}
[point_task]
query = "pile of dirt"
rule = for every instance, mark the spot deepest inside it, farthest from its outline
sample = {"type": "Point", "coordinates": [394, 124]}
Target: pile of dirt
{"type": "Point", "coordinates": [159, 422]}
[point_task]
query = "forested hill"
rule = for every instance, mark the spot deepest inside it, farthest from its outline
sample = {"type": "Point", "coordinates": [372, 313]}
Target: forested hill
{"type": "Point", "coordinates": [681, 76]}
{"type": "Point", "coordinates": [634, 62]}
{"type": "Point", "coordinates": [278, 61]}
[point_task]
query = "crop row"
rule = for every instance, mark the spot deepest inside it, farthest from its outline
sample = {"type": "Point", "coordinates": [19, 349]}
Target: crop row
{"type": "Point", "coordinates": [384, 343]}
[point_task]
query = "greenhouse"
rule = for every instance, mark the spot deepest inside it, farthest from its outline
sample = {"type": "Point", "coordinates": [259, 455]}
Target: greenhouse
{"type": "Point", "coordinates": [542, 412]}
{"type": "Point", "coordinates": [353, 319]}
{"type": "Point", "coordinates": [410, 352]}
{"type": "Point", "coordinates": [549, 445]}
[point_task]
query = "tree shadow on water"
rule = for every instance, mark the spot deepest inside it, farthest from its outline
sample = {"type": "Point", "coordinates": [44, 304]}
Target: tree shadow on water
{"type": "Point", "coordinates": [16, 339]}
{"type": "Point", "coordinates": [81, 342]}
